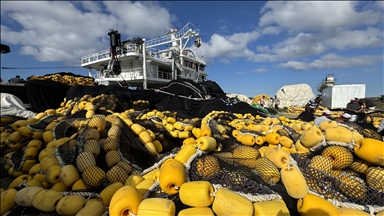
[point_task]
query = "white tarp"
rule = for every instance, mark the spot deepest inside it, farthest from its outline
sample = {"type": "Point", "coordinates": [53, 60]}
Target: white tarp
{"type": "Point", "coordinates": [241, 97]}
{"type": "Point", "coordinates": [12, 105]}
{"type": "Point", "coordinates": [295, 95]}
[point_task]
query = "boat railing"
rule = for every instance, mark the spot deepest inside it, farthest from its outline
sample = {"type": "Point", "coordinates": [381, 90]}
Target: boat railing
{"type": "Point", "coordinates": [128, 49]}
{"type": "Point", "coordinates": [134, 48]}
{"type": "Point", "coordinates": [105, 54]}
{"type": "Point", "coordinates": [164, 75]}
{"type": "Point", "coordinates": [95, 56]}
{"type": "Point", "coordinates": [179, 34]}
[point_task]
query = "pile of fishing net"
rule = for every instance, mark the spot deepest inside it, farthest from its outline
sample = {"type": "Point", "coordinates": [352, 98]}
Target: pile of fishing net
{"type": "Point", "coordinates": [101, 155]}
{"type": "Point", "coordinates": [65, 78]}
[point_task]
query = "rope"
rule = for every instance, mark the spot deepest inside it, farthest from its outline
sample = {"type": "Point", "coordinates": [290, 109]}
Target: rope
{"type": "Point", "coordinates": [150, 189]}
{"type": "Point", "coordinates": [368, 208]}
{"type": "Point", "coordinates": [187, 85]}
{"type": "Point", "coordinates": [249, 196]}
{"type": "Point", "coordinates": [347, 145]}
{"type": "Point", "coordinates": [346, 126]}
{"type": "Point", "coordinates": [189, 161]}
{"type": "Point", "coordinates": [84, 194]}
{"type": "Point", "coordinates": [292, 162]}
{"type": "Point", "coordinates": [181, 96]}
{"type": "Point", "coordinates": [106, 213]}
{"type": "Point", "coordinates": [158, 164]}
{"type": "Point", "coordinates": [262, 198]}
{"type": "Point", "coordinates": [322, 143]}
{"type": "Point", "coordinates": [215, 188]}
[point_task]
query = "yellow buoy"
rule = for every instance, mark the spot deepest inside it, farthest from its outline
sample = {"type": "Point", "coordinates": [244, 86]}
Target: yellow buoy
{"type": "Point", "coordinates": [172, 176]}
{"type": "Point", "coordinates": [228, 202]}
{"type": "Point", "coordinates": [197, 193]}
{"type": "Point", "coordinates": [126, 200]}
{"type": "Point", "coordinates": [156, 206]}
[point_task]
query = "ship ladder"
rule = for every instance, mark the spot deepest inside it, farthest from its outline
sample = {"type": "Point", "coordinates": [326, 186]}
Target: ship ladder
{"type": "Point", "coordinates": [179, 66]}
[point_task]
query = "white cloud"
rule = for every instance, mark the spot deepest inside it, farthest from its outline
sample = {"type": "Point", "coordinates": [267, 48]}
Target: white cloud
{"type": "Point", "coordinates": [241, 72]}
{"type": "Point", "coordinates": [304, 44]}
{"type": "Point", "coordinates": [371, 70]}
{"type": "Point", "coordinates": [232, 46]}
{"type": "Point", "coordinates": [224, 28]}
{"type": "Point", "coordinates": [261, 57]}
{"type": "Point", "coordinates": [314, 27]}
{"type": "Point", "coordinates": [91, 6]}
{"type": "Point", "coordinates": [371, 37]}
{"type": "Point", "coordinates": [263, 49]}
{"type": "Point", "coordinates": [225, 60]}
{"type": "Point", "coordinates": [260, 70]}
{"type": "Point", "coordinates": [140, 18]}
{"type": "Point", "coordinates": [316, 15]}
{"type": "Point", "coordinates": [294, 65]}
{"type": "Point", "coordinates": [332, 60]}
{"type": "Point", "coordinates": [271, 30]}
{"type": "Point", "coordinates": [59, 31]}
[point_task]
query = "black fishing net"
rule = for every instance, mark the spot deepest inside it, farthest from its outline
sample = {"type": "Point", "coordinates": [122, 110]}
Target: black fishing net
{"type": "Point", "coordinates": [30, 211]}
{"type": "Point", "coordinates": [157, 192]}
{"type": "Point", "coordinates": [44, 122]}
{"type": "Point", "coordinates": [67, 152]}
{"type": "Point", "coordinates": [292, 133]}
{"type": "Point", "coordinates": [187, 98]}
{"type": "Point", "coordinates": [39, 94]}
{"type": "Point", "coordinates": [17, 159]}
{"type": "Point", "coordinates": [105, 149]}
{"type": "Point", "coordinates": [344, 185]}
{"type": "Point", "coordinates": [65, 128]}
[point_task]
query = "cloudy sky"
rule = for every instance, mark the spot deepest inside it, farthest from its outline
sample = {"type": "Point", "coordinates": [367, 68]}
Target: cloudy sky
{"type": "Point", "coordinates": [252, 47]}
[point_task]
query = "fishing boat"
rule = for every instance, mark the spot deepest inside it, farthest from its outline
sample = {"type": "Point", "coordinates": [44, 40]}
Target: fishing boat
{"type": "Point", "coordinates": [142, 63]}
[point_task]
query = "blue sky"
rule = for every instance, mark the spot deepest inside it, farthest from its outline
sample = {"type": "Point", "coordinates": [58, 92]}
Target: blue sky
{"type": "Point", "coordinates": [252, 47]}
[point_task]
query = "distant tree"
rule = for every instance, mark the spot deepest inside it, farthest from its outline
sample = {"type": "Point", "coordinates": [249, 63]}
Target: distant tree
{"type": "Point", "coordinates": [321, 87]}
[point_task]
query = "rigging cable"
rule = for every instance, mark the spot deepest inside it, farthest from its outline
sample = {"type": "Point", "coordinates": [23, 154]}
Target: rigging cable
{"type": "Point", "coordinates": [26, 68]}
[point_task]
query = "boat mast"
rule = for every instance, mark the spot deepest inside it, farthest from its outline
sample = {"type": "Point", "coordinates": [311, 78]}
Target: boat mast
{"type": "Point", "coordinates": [144, 65]}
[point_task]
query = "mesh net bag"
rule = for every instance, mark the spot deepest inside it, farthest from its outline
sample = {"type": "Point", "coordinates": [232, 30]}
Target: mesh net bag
{"type": "Point", "coordinates": [344, 184]}
{"type": "Point", "coordinates": [109, 147]}
{"type": "Point", "coordinates": [366, 132]}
